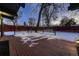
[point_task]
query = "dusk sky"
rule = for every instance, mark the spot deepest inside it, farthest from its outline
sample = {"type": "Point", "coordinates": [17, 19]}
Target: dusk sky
{"type": "Point", "coordinates": [29, 11]}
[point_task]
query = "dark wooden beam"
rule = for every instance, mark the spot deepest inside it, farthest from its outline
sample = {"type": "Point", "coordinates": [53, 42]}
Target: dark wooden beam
{"type": "Point", "coordinates": [11, 8]}
{"type": "Point", "coordinates": [73, 6]}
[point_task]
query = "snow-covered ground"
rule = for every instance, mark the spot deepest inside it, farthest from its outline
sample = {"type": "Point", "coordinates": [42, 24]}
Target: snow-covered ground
{"type": "Point", "coordinates": [65, 35]}
{"type": "Point", "coordinates": [31, 37]}
{"type": "Point", "coordinates": [70, 36]}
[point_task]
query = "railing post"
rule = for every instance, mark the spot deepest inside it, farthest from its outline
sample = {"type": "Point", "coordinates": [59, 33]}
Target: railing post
{"type": "Point", "coordinates": [2, 32]}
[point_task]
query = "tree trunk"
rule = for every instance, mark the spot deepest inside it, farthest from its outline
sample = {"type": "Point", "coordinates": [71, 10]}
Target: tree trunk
{"type": "Point", "coordinates": [39, 18]}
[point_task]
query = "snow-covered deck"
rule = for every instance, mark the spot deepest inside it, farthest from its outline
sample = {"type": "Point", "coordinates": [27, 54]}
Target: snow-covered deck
{"type": "Point", "coordinates": [70, 36]}
{"type": "Point", "coordinates": [41, 47]}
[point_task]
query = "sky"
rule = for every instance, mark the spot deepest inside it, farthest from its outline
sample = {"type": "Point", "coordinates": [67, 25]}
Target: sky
{"type": "Point", "coordinates": [26, 13]}
{"type": "Point", "coordinates": [29, 11]}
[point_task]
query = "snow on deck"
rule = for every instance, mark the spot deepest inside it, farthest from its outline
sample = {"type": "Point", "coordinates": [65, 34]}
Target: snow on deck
{"type": "Point", "coordinates": [31, 37]}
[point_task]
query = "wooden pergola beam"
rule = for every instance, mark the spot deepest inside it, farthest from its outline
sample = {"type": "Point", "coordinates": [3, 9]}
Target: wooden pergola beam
{"type": "Point", "coordinates": [8, 10]}
{"type": "Point", "coordinates": [73, 6]}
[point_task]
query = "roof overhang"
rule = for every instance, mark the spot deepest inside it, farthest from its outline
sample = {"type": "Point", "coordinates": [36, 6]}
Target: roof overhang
{"type": "Point", "coordinates": [73, 6]}
{"type": "Point", "coordinates": [9, 10]}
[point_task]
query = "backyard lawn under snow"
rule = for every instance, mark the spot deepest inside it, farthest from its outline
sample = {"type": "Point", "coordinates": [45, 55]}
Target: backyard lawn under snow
{"type": "Point", "coordinates": [31, 37]}
{"type": "Point", "coordinates": [64, 35]}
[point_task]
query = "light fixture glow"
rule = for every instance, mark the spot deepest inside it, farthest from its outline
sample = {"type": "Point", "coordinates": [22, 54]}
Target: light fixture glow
{"type": "Point", "coordinates": [6, 14]}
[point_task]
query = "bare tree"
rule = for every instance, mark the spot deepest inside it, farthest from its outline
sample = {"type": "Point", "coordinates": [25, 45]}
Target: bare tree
{"type": "Point", "coordinates": [15, 21]}
{"type": "Point", "coordinates": [42, 6]}
{"type": "Point", "coordinates": [67, 22]}
{"type": "Point", "coordinates": [64, 20]}
{"type": "Point", "coordinates": [31, 21]}
{"type": "Point", "coordinates": [71, 22]}
{"type": "Point", "coordinates": [48, 13]}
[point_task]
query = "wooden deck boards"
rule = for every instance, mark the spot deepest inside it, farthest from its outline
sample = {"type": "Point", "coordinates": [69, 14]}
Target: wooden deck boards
{"type": "Point", "coordinates": [45, 47]}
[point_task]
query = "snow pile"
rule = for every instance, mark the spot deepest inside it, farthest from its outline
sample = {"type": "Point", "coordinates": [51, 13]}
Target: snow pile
{"type": "Point", "coordinates": [31, 37]}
